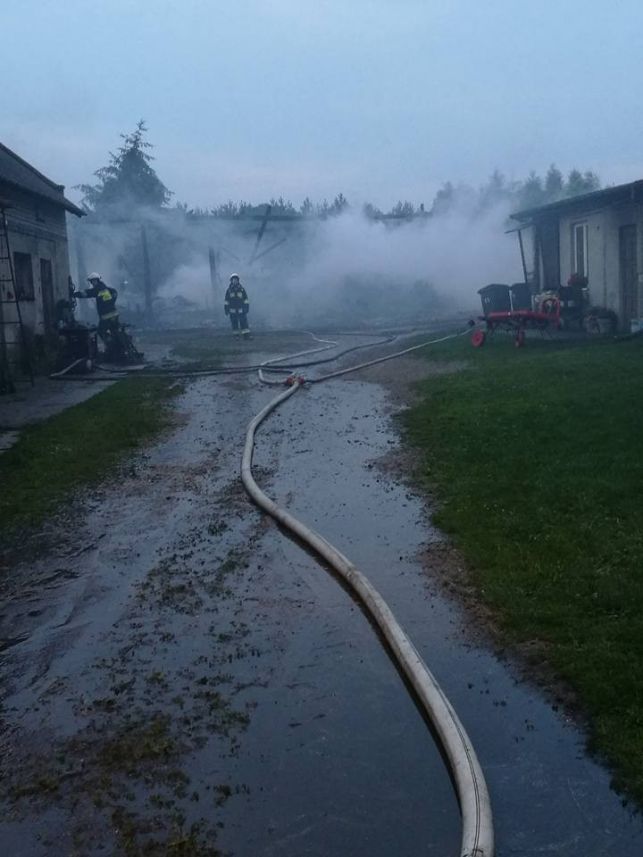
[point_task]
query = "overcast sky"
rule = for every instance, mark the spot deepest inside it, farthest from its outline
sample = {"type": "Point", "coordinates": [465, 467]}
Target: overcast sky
{"type": "Point", "coordinates": [379, 99]}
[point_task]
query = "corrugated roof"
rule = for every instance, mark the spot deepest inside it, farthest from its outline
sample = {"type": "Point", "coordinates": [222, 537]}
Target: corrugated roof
{"type": "Point", "coordinates": [631, 191]}
{"type": "Point", "coordinates": [17, 172]}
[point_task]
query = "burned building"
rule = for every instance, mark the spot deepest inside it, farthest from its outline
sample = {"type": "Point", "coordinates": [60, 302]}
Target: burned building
{"type": "Point", "coordinates": [34, 261]}
{"type": "Point", "coordinates": [597, 236]}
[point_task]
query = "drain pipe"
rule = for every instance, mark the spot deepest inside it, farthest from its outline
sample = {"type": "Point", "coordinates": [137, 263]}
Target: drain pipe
{"type": "Point", "coordinates": [473, 795]}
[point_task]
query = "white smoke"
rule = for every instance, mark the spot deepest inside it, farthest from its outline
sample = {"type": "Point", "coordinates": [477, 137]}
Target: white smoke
{"type": "Point", "coordinates": [192, 282]}
{"type": "Point", "coordinates": [346, 268]}
{"type": "Point", "coordinates": [454, 253]}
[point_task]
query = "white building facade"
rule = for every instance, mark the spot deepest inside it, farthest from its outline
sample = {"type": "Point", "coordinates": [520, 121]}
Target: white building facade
{"type": "Point", "coordinates": [598, 236]}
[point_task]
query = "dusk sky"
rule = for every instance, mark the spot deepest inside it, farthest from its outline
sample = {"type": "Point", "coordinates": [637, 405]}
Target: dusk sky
{"type": "Point", "coordinates": [378, 99]}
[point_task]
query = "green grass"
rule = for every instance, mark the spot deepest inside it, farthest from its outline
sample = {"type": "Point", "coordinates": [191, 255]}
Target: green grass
{"type": "Point", "coordinates": [536, 457]}
{"type": "Point", "coordinates": [78, 447]}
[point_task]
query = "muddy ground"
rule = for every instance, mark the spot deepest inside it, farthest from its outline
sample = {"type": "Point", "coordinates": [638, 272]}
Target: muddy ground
{"type": "Point", "coordinates": [180, 678]}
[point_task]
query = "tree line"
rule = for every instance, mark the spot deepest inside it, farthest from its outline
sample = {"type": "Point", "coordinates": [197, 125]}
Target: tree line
{"type": "Point", "coordinates": [130, 179]}
{"type": "Point", "coordinates": [516, 195]}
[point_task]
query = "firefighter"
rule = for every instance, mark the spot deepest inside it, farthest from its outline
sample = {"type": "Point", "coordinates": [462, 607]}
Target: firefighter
{"type": "Point", "coordinates": [108, 321]}
{"type": "Point", "coordinates": [237, 306]}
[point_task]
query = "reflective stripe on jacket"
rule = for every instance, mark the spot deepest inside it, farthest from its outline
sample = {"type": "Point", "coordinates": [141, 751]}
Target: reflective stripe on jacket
{"type": "Point", "coordinates": [236, 299]}
{"type": "Point", "coordinates": [105, 300]}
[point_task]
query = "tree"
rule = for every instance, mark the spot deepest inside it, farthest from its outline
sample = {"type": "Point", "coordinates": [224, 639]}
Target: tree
{"type": "Point", "coordinates": [554, 184]}
{"type": "Point", "coordinates": [282, 206]}
{"type": "Point", "coordinates": [495, 191]}
{"type": "Point", "coordinates": [129, 177]}
{"type": "Point", "coordinates": [592, 181]}
{"type": "Point", "coordinates": [307, 209]}
{"type": "Point", "coordinates": [443, 199]}
{"type": "Point", "coordinates": [403, 209]}
{"type": "Point", "coordinates": [531, 193]}
{"type": "Point", "coordinates": [578, 182]}
{"type": "Point", "coordinates": [226, 209]}
{"type": "Point", "coordinates": [371, 212]}
{"type": "Point", "coordinates": [338, 205]}
{"type": "Point", "coordinates": [323, 209]}
{"type": "Point", "coordinates": [575, 184]}
{"type": "Point", "coordinates": [232, 209]}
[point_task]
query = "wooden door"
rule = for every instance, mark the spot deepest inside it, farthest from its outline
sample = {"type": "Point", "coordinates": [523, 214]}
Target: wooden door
{"type": "Point", "coordinates": [549, 241]}
{"type": "Point", "coordinates": [629, 274]}
{"type": "Point", "coordinates": [47, 289]}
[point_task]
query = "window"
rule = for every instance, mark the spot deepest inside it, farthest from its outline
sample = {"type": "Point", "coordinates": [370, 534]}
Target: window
{"type": "Point", "coordinates": [23, 270]}
{"type": "Point", "coordinates": [579, 249]}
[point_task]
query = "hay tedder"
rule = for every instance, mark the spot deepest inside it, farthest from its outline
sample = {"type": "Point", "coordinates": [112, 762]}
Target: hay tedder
{"type": "Point", "coordinates": [511, 309]}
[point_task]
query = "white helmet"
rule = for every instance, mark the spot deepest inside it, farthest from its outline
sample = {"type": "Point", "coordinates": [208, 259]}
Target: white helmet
{"type": "Point", "coordinates": [234, 276]}
{"type": "Point", "coordinates": [94, 276]}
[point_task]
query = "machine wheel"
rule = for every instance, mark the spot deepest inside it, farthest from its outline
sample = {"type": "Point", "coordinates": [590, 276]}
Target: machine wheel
{"type": "Point", "coordinates": [478, 338]}
{"type": "Point", "coordinates": [520, 338]}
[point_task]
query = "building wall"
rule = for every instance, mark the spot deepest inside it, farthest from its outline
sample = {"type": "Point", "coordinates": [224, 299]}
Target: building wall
{"type": "Point", "coordinates": [603, 252]}
{"type": "Point", "coordinates": [39, 228]}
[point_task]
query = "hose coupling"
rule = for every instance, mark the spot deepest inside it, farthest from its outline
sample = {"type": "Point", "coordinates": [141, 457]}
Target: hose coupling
{"type": "Point", "coordinates": [291, 380]}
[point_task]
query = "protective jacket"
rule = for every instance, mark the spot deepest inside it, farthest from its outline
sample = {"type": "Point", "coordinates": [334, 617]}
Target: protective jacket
{"type": "Point", "coordinates": [236, 300]}
{"type": "Point", "coordinates": [105, 300]}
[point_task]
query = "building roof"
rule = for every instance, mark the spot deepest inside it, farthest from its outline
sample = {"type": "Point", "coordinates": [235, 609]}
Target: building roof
{"type": "Point", "coordinates": [631, 192]}
{"type": "Point", "coordinates": [17, 172]}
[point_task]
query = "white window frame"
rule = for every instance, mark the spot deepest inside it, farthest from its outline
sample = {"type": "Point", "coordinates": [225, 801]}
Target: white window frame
{"type": "Point", "coordinates": [582, 229]}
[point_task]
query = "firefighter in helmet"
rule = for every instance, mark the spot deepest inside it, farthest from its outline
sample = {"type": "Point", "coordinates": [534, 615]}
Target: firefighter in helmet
{"type": "Point", "coordinates": [237, 306]}
{"type": "Point", "coordinates": [105, 296]}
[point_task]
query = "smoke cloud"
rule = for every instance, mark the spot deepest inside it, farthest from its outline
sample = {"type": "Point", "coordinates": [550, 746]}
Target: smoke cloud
{"type": "Point", "coordinates": [344, 270]}
{"type": "Point", "coordinates": [431, 264]}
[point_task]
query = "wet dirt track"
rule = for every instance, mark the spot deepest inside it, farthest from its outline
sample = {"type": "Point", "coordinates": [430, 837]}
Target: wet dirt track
{"type": "Point", "coordinates": [180, 677]}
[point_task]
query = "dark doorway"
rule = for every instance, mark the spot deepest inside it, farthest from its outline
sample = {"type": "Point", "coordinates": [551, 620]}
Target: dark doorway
{"type": "Point", "coordinates": [47, 287]}
{"type": "Point", "coordinates": [549, 241]}
{"type": "Point", "coordinates": [629, 274]}
{"type": "Point", "coordinates": [24, 276]}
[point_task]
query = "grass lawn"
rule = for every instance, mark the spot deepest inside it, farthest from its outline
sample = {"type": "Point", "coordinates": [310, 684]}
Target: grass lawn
{"type": "Point", "coordinates": [82, 445]}
{"type": "Point", "coordinates": [536, 457]}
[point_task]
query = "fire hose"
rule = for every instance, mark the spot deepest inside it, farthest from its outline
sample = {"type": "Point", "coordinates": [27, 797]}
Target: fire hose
{"type": "Point", "coordinates": [119, 374]}
{"type": "Point", "coordinates": [473, 796]}
{"type": "Point", "coordinates": [477, 825]}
